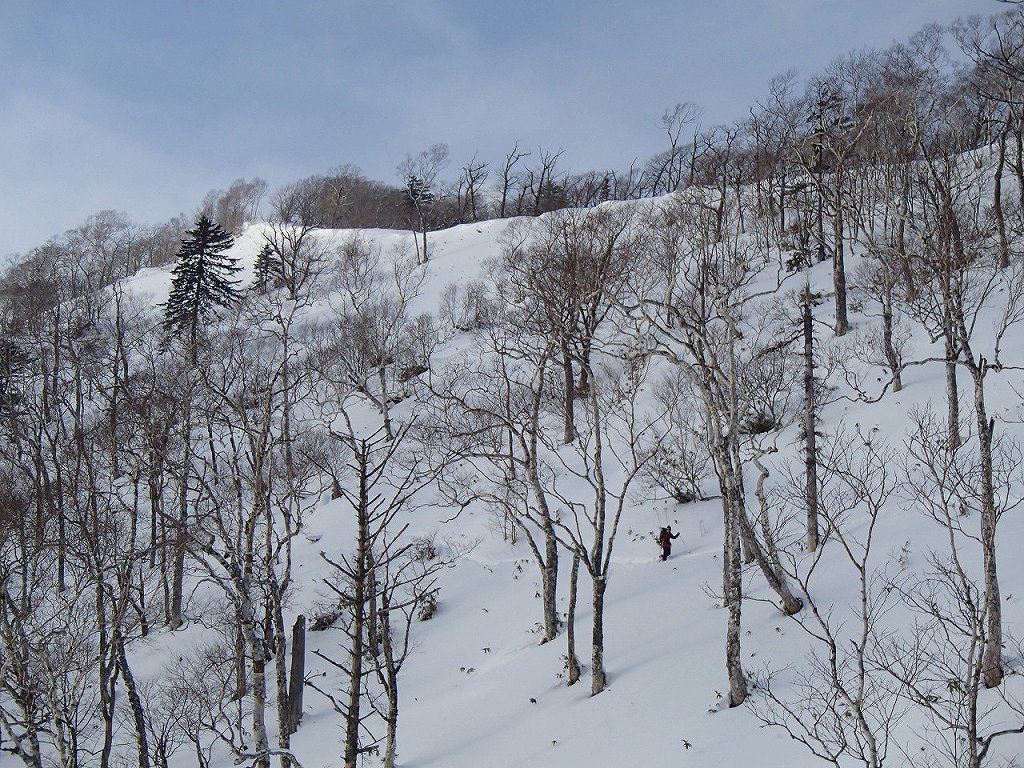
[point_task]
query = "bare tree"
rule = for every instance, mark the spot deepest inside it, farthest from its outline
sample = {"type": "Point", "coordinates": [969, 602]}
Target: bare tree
{"type": "Point", "coordinates": [407, 588]}
{"type": "Point", "coordinates": [27, 572]}
{"type": "Point", "coordinates": [994, 45]}
{"type": "Point", "coordinates": [470, 191]}
{"type": "Point", "coordinates": [104, 247]}
{"type": "Point", "coordinates": [251, 496]}
{"type": "Point", "coordinates": [880, 279]}
{"type": "Point", "coordinates": [961, 287]}
{"type": "Point", "coordinates": [680, 464]}
{"type": "Point", "coordinates": [544, 187]}
{"type": "Point", "coordinates": [381, 580]}
{"type": "Point", "coordinates": [510, 180]}
{"type": "Point", "coordinates": [491, 412]}
{"type": "Point", "coordinates": [697, 327]}
{"type": "Point", "coordinates": [236, 206]}
{"type": "Point", "coordinates": [370, 347]}
{"type": "Point", "coordinates": [769, 126]}
{"type": "Point", "coordinates": [611, 452]}
{"type": "Point", "coordinates": [842, 704]}
{"type": "Point", "coordinates": [298, 257]}
{"type": "Point", "coordinates": [419, 174]}
{"type": "Point", "coordinates": [943, 663]}
{"type": "Point", "coordinates": [836, 120]}
{"type": "Point", "coordinates": [568, 275]}
{"type": "Point", "coordinates": [666, 171]}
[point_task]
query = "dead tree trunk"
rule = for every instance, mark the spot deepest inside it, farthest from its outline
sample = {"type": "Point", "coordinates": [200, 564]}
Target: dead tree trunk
{"type": "Point", "coordinates": [810, 448]}
{"type": "Point", "coordinates": [572, 661]}
{"type": "Point", "coordinates": [357, 629]}
{"type": "Point", "coordinates": [181, 529]}
{"type": "Point", "coordinates": [839, 269]}
{"type": "Point", "coordinates": [997, 204]}
{"type": "Point", "coordinates": [569, 419]}
{"type": "Point", "coordinates": [298, 674]}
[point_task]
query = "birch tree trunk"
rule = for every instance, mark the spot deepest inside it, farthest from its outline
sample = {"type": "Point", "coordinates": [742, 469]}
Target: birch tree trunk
{"type": "Point", "coordinates": [733, 582]}
{"type": "Point", "coordinates": [138, 710]}
{"type": "Point", "coordinates": [598, 680]}
{"type": "Point", "coordinates": [952, 389]}
{"type": "Point", "coordinates": [391, 688]}
{"type": "Point", "coordinates": [839, 266]}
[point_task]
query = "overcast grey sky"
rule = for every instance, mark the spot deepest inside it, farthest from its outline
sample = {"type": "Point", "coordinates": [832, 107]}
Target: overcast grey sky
{"type": "Point", "coordinates": [143, 106]}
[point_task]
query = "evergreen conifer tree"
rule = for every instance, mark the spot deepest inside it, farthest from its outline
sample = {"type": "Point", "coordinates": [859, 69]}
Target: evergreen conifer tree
{"type": "Point", "coordinates": [418, 192]}
{"type": "Point", "coordinates": [269, 268]}
{"type": "Point", "coordinates": [13, 363]}
{"type": "Point", "coordinates": [201, 280]}
{"type": "Point", "coordinates": [419, 195]}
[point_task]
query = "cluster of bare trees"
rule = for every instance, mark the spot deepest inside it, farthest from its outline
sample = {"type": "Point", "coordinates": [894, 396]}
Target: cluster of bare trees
{"type": "Point", "coordinates": [153, 483]}
{"type": "Point", "coordinates": [149, 482]}
{"type": "Point", "coordinates": [553, 404]}
{"type": "Point", "coordinates": [900, 158]}
{"type": "Point", "coordinates": [930, 208]}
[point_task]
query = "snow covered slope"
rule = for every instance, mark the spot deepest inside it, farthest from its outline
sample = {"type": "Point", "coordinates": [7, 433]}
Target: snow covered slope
{"type": "Point", "coordinates": [480, 690]}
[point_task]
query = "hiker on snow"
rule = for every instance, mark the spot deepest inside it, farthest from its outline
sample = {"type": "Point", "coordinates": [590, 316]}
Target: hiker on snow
{"type": "Point", "coordinates": [665, 539]}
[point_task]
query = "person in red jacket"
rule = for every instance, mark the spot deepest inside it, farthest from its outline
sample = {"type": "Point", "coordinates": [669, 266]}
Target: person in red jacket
{"type": "Point", "coordinates": [665, 539]}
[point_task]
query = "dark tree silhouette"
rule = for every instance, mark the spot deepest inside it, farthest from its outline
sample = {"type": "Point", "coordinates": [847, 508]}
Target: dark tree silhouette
{"type": "Point", "coordinates": [419, 195]}
{"type": "Point", "coordinates": [269, 269]}
{"type": "Point", "coordinates": [13, 362]}
{"type": "Point", "coordinates": [201, 280]}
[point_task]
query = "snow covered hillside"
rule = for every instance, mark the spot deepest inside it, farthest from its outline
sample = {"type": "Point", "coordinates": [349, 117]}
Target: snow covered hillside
{"type": "Point", "coordinates": [479, 687]}
{"type": "Point", "coordinates": [713, 461]}
{"type": "Point", "coordinates": [453, 453]}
